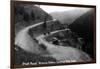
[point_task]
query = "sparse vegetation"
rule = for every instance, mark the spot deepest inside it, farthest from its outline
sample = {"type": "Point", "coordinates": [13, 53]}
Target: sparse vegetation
{"type": "Point", "coordinates": [23, 56]}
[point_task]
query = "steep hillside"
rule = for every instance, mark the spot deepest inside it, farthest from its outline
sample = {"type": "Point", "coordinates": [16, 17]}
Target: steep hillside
{"type": "Point", "coordinates": [52, 25]}
{"type": "Point", "coordinates": [26, 14]}
{"type": "Point", "coordinates": [84, 26]}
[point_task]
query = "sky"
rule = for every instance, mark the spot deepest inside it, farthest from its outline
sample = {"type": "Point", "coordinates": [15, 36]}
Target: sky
{"type": "Point", "coordinates": [50, 8]}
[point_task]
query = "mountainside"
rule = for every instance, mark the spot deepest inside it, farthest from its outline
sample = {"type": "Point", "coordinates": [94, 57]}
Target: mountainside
{"type": "Point", "coordinates": [51, 25]}
{"type": "Point", "coordinates": [26, 14]}
{"type": "Point", "coordinates": [68, 16]}
{"type": "Point", "coordinates": [84, 27]}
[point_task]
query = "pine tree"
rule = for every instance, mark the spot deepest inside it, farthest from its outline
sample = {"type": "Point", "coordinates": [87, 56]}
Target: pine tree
{"type": "Point", "coordinates": [26, 16]}
{"type": "Point", "coordinates": [32, 15]}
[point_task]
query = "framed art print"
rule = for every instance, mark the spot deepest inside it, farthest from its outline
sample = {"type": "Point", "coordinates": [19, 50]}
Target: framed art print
{"type": "Point", "coordinates": [50, 34]}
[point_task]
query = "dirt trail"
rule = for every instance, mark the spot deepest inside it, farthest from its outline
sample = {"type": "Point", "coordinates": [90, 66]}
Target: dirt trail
{"type": "Point", "coordinates": [25, 41]}
{"type": "Point", "coordinates": [62, 53]}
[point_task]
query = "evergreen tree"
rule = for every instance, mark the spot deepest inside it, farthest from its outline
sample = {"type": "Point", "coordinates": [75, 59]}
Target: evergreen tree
{"type": "Point", "coordinates": [26, 16]}
{"type": "Point", "coordinates": [32, 15]}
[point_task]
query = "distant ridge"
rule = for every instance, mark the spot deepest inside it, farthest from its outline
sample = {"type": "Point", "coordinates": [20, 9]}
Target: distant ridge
{"type": "Point", "coordinates": [68, 16]}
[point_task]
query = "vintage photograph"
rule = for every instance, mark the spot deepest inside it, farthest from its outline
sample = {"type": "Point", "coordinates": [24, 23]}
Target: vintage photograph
{"type": "Point", "coordinates": [50, 34]}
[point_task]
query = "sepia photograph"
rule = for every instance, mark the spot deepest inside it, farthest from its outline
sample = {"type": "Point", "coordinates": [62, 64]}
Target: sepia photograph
{"type": "Point", "coordinates": [44, 34]}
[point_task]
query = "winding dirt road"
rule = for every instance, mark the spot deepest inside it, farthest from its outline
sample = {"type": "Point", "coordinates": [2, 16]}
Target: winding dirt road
{"type": "Point", "coordinates": [60, 53]}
